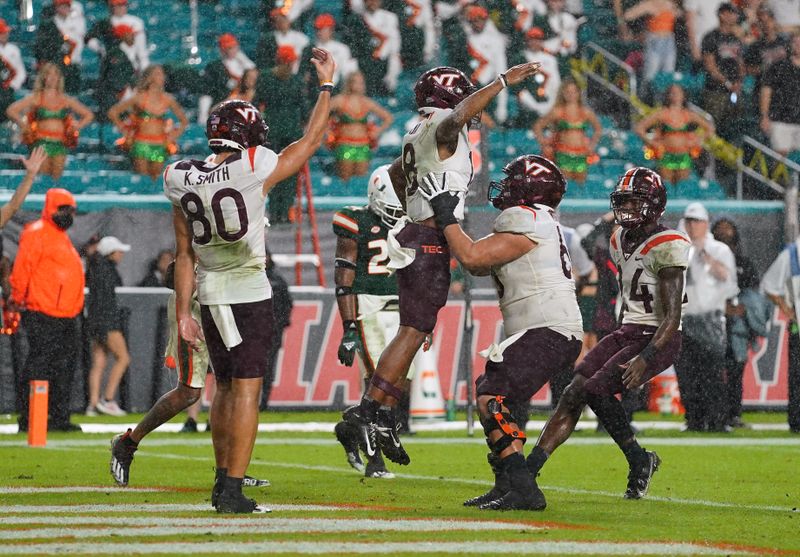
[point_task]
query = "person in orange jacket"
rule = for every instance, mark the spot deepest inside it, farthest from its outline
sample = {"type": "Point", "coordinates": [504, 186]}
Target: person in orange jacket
{"type": "Point", "coordinates": [47, 282]}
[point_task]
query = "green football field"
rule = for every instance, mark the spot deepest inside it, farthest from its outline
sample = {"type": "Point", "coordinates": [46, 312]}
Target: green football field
{"type": "Point", "coordinates": [714, 495]}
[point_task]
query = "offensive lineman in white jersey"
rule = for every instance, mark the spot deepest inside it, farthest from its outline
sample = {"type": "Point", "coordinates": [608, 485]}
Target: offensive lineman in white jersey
{"type": "Point", "coordinates": [218, 214]}
{"type": "Point", "coordinates": [652, 262]}
{"type": "Point", "coordinates": [527, 257]}
{"type": "Point", "coordinates": [440, 144]}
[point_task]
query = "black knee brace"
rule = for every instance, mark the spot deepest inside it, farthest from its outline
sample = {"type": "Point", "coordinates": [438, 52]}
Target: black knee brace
{"type": "Point", "coordinates": [503, 421]}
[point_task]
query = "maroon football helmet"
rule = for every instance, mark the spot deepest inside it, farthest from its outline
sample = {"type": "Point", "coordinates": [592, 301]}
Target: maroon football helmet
{"type": "Point", "coordinates": [235, 126]}
{"type": "Point", "coordinates": [530, 180]}
{"type": "Point", "coordinates": [442, 87]}
{"type": "Point", "coordinates": [639, 198]}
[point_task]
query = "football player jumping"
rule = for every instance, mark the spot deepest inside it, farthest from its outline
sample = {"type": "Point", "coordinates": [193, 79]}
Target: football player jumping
{"type": "Point", "coordinates": [366, 292]}
{"type": "Point", "coordinates": [418, 249]}
{"type": "Point", "coordinates": [652, 262]}
{"type": "Point", "coordinates": [218, 210]}
{"type": "Point", "coordinates": [528, 259]}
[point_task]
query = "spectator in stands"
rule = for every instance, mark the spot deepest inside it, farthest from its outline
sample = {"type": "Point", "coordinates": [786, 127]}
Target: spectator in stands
{"type": "Point", "coordinates": [47, 282]}
{"type": "Point", "coordinates": [536, 97]}
{"type": "Point", "coordinates": [157, 271]}
{"type": "Point", "coordinates": [417, 32]}
{"type": "Point", "coordinates": [117, 71]}
{"type": "Point", "coordinates": [379, 60]}
{"type": "Point", "coordinates": [569, 143]}
{"type": "Point", "coordinates": [247, 87]}
{"type": "Point", "coordinates": [486, 48]}
{"type": "Point", "coordinates": [297, 11]}
{"type": "Point", "coordinates": [675, 142]}
{"type": "Point", "coordinates": [282, 35]}
{"type": "Point", "coordinates": [723, 60]}
{"type": "Point", "coordinates": [781, 284]}
{"type": "Point", "coordinates": [104, 34]}
{"type": "Point", "coordinates": [787, 12]}
{"type": "Point", "coordinates": [354, 133]}
{"type": "Point", "coordinates": [281, 94]}
{"type": "Point", "coordinates": [282, 305]}
{"type": "Point", "coordinates": [59, 40]}
{"type": "Point", "coordinates": [780, 111]}
{"type": "Point", "coordinates": [222, 76]}
{"type": "Point", "coordinates": [562, 27]}
{"type": "Point", "coordinates": [701, 18]}
{"type": "Point", "coordinates": [325, 26]}
{"type": "Point", "coordinates": [149, 135]}
{"type": "Point", "coordinates": [46, 118]}
{"type": "Point", "coordinates": [769, 48]}
{"type": "Point", "coordinates": [660, 52]}
{"type": "Point", "coordinates": [12, 70]}
{"type": "Point", "coordinates": [710, 282]}
{"type": "Point", "coordinates": [746, 319]}
{"type": "Point", "coordinates": [105, 323]}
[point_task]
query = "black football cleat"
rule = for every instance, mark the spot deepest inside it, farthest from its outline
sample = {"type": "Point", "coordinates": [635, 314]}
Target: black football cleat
{"type": "Point", "coordinates": [639, 476]}
{"type": "Point", "coordinates": [389, 439]}
{"type": "Point", "coordinates": [121, 458]}
{"type": "Point", "coordinates": [347, 435]}
{"type": "Point", "coordinates": [238, 504]}
{"type": "Point", "coordinates": [250, 481]}
{"type": "Point", "coordinates": [376, 468]}
{"type": "Point", "coordinates": [517, 500]}
{"type": "Point", "coordinates": [491, 495]}
{"type": "Point", "coordinates": [367, 433]}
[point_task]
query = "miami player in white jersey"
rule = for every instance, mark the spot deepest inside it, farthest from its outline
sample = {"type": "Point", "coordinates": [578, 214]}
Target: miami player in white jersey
{"type": "Point", "coordinates": [218, 215]}
{"type": "Point", "coordinates": [528, 259]}
{"type": "Point", "coordinates": [418, 249]}
{"type": "Point", "coordinates": [652, 262]}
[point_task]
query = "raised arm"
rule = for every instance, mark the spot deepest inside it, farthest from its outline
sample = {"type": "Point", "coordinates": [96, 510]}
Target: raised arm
{"type": "Point", "coordinates": [188, 328]}
{"type": "Point", "coordinates": [293, 157]}
{"type": "Point", "coordinates": [448, 130]}
{"type": "Point", "coordinates": [670, 292]}
{"type": "Point", "coordinates": [32, 165]}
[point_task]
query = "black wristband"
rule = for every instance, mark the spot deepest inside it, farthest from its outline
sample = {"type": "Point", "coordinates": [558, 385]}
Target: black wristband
{"type": "Point", "coordinates": [343, 291]}
{"type": "Point", "coordinates": [324, 88]}
{"type": "Point", "coordinates": [648, 353]}
{"type": "Point", "coordinates": [349, 324]}
{"type": "Point", "coordinates": [342, 263]}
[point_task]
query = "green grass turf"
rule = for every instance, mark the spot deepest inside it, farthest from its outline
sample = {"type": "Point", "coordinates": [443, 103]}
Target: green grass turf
{"type": "Point", "coordinates": [758, 486]}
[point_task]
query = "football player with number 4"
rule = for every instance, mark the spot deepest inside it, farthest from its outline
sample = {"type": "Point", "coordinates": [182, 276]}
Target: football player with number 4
{"type": "Point", "coordinates": [448, 104]}
{"type": "Point", "coordinates": [218, 215]}
{"type": "Point", "coordinates": [527, 257]}
{"type": "Point", "coordinates": [651, 260]}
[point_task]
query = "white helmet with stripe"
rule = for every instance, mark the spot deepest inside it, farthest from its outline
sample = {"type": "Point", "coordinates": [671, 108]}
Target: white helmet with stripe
{"type": "Point", "coordinates": [383, 200]}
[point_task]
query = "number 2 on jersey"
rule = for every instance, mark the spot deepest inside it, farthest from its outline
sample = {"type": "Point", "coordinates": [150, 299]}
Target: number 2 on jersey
{"type": "Point", "coordinates": [378, 263]}
{"type": "Point", "coordinates": [195, 213]}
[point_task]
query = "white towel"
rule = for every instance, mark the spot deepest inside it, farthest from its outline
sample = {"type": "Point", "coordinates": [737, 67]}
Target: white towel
{"type": "Point", "coordinates": [222, 314]}
{"type": "Point", "coordinates": [399, 256]}
{"type": "Point", "coordinates": [495, 351]}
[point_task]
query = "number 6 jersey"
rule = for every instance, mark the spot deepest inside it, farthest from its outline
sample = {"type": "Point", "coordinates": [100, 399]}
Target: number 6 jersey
{"type": "Point", "coordinates": [224, 205]}
{"type": "Point", "coordinates": [639, 270]}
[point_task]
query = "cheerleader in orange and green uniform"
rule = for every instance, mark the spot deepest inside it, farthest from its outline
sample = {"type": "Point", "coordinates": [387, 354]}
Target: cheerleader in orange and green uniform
{"type": "Point", "coordinates": [46, 118]}
{"type": "Point", "coordinates": [569, 144]}
{"type": "Point", "coordinates": [149, 135]}
{"type": "Point", "coordinates": [678, 137]}
{"type": "Point", "coordinates": [353, 134]}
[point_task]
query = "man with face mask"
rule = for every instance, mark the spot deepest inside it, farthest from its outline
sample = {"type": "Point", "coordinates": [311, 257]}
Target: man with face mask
{"type": "Point", "coordinates": [47, 282]}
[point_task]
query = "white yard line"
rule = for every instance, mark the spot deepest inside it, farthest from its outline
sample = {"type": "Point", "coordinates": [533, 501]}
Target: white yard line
{"type": "Point", "coordinates": [386, 548]}
{"type": "Point", "coordinates": [142, 508]}
{"type": "Point", "coordinates": [79, 489]}
{"type": "Point", "coordinates": [156, 527]}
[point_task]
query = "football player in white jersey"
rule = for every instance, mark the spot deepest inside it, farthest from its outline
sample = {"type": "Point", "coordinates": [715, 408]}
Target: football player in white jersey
{"type": "Point", "coordinates": [527, 257]}
{"type": "Point", "coordinates": [218, 208]}
{"type": "Point", "coordinates": [439, 143]}
{"type": "Point", "coordinates": [652, 262]}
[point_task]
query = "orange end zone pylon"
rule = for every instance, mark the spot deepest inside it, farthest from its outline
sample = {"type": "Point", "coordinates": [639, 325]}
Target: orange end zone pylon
{"type": "Point", "coordinates": [37, 414]}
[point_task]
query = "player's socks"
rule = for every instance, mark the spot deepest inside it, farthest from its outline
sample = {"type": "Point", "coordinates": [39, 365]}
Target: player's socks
{"type": "Point", "coordinates": [524, 493]}
{"type": "Point", "coordinates": [368, 409]}
{"type": "Point", "coordinates": [501, 483]}
{"type": "Point", "coordinates": [612, 415]}
{"type": "Point", "coordinates": [219, 477]}
{"type": "Point", "coordinates": [536, 460]}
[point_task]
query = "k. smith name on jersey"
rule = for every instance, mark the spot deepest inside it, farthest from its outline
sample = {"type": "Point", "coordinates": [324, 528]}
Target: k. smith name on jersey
{"type": "Point", "coordinates": [421, 156]}
{"type": "Point", "coordinates": [639, 270]}
{"type": "Point", "coordinates": [224, 205]}
{"type": "Point", "coordinates": [537, 289]}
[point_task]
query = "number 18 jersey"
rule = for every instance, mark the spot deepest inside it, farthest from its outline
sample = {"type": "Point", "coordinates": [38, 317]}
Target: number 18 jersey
{"type": "Point", "coordinates": [638, 272]}
{"type": "Point", "coordinates": [224, 205]}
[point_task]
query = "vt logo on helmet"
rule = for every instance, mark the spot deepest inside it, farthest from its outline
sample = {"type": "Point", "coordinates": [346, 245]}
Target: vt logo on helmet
{"type": "Point", "coordinates": [639, 198]}
{"type": "Point", "coordinates": [530, 180]}
{"type": "Point", "coordinates": [442, 87]}
{"type": "Point", "coordinates": [235, 126]}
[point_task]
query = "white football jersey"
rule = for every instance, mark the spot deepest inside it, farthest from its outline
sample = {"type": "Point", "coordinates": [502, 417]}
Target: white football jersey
{"type": "Point", "coordinates": [421, 156]}
{"type": "Point", "coordinates": [537, 290]}
{"type": "Point", "coordinates": [639, 273]}
{"type": "Point", "coordinates": [224, 205]}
